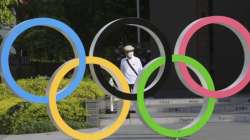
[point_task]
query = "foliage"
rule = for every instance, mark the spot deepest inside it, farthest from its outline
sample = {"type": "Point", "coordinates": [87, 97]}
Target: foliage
{"type": "Point", "coordinates": [7, 17]}
{"type": "Point", "coordinates": [86, 17]}
{"type": "Point", "coordinates": [18, 117]}
{"type": "Point", "coordinates": [43, 43]}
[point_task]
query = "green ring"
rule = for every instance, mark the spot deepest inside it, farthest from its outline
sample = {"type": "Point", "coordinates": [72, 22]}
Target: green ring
{"type": "Point", "coordinates": [207, 109]}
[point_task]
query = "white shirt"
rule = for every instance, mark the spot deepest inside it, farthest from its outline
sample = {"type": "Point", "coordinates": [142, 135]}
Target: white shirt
{"type": "Point", "coordinates": [127, 70]}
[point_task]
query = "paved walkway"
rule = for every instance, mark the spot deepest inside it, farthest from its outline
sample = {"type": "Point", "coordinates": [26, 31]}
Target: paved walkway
{"type": "Point", "coordinates": [213, 131]}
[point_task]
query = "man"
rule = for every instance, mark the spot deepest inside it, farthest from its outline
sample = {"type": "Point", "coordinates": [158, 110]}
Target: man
{"type": "Point", "coordinates": [130, 66]}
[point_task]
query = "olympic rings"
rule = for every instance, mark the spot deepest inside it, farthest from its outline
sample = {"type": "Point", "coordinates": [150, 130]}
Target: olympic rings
{"type": "Point", "coordinates": [181, 46]}
{"type": "Point", "coordinates": [207, 109]}
{"type": "Point", "coordinates": [54, 113]}
{"type": "Point", "coordinates": [158, 38]}
{"type": "Point", "coordinates": [60, 27]}
{"type": "Point", "coordinates": [207, 90]}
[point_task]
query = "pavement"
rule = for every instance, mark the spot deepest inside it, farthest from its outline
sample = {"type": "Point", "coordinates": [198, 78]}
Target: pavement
{"type": "Point", "coordinates": [212, 131]}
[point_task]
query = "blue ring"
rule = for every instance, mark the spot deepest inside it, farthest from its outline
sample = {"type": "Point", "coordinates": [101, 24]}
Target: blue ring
{"type": "Point", "coordinates": [68, 32]}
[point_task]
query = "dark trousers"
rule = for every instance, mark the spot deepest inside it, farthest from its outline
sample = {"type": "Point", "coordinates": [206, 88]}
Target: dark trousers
{"type": "Point", "coordinates": [131, 86]}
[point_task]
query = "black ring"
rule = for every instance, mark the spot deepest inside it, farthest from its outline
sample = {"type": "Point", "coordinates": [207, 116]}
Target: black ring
{"type": "Point", "coordinates": [106, 31]}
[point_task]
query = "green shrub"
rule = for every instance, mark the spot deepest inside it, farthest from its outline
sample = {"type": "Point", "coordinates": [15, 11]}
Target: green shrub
{"type": "Point", "coordinates": [18, 117]}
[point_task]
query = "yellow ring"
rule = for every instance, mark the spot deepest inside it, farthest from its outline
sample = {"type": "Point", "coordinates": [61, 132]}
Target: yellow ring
{"type": "Point", "coordinates": [53, 110]}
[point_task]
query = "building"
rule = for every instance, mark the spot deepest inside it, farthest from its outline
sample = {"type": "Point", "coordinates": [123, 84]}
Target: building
{"type": "Point", "coordinates": [208, 45]}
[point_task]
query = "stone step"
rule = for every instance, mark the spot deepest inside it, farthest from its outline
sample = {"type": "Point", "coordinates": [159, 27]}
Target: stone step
{"type": "Point", "coordinates": [195, 108]}
{"type": "Point", "coordinates": [184, 118]}
{"type": "Point", "coordinates": [185, 110]}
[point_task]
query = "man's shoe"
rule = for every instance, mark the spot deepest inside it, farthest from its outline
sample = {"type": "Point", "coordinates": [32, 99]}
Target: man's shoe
{"type": "Point", "coordinates": [132, 111]}
{"type": "Point", "coordinates": [128, 116]}
{"type": "Point", "coordinates": [110, 112]}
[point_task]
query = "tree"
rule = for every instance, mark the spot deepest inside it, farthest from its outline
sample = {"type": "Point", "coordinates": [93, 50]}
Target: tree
{"type": "Point", "coordinates": [86, 17]}
{"type": "Point", "coordinates": [42, 43]}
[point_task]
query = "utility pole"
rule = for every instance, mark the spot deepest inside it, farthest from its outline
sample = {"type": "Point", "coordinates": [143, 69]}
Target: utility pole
{"type": "Point", "coordinates": [138, 16]}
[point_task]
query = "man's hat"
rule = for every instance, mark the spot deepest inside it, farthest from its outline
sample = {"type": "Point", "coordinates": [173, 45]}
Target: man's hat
{"type": "Point", "coordinates": [128, 48]}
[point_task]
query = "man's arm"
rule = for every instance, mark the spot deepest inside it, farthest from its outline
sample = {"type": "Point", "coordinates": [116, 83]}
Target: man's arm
{"type": "Point", "coordinates": [122, 66]}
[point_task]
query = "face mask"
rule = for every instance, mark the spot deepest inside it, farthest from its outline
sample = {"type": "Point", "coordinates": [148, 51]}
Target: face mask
{"type": "Point", "coordinates": [130, 54]}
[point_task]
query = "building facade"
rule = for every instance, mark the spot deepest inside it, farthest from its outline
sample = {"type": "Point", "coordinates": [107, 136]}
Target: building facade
{"type": "Point", "coordinates": [209, 44]}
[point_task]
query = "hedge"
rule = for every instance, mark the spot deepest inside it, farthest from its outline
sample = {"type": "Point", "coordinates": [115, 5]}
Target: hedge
{"type": "Point", "coordinates": [19, 117]}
